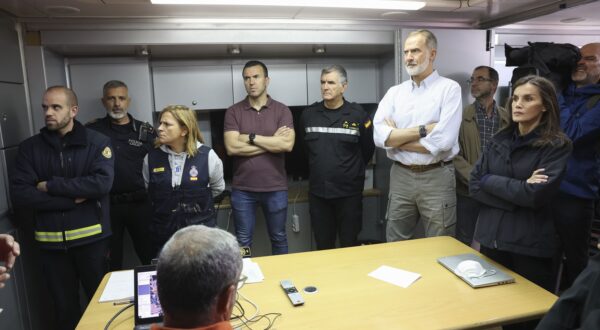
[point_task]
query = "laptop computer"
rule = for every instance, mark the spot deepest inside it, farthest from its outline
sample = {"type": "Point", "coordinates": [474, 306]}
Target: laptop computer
{"type": "Point", "coordinates": [492, 275]}
{"type": "Point", "coordinates": [146, 303]}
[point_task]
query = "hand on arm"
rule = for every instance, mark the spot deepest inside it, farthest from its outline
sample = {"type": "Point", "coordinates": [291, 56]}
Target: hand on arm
{"type": "Point", "coordinates": [282, 140]}
{"type": "Point", "coordinates": [237, 147]}
{"type": "Point", "coordinates": [408, 138]}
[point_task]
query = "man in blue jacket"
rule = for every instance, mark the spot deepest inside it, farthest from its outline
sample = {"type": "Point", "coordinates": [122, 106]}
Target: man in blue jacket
{"type": "Point", "coordinates": [64, 174]}
{"type": "Point", "coordinates": [580, 120]}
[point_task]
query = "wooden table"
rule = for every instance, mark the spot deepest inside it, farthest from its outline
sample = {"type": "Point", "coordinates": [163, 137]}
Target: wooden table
{"type": "Point", "coordinates": [349, 299]}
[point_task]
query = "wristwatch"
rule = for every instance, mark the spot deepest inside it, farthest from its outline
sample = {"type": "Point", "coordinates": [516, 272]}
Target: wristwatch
{"type": "Point", "coordinates": [251, 138]}
{"type": "Point", "coordinates": [422, 131]}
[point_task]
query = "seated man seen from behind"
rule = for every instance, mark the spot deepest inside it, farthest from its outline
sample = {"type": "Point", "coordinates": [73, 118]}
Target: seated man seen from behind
{"type": "Point", "coordinates": [198, 271]}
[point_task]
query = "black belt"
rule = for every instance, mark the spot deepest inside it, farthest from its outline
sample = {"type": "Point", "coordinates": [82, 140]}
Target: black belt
{"type": "Point", "coordinates": [423, 168]}
{"type": "Point", "coordinates": [129, 197]}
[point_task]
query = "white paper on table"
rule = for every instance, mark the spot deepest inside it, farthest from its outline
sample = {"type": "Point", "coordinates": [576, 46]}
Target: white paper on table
{"type": "Point", "coordinates": [252, 271]}
{"type": "Point", "coordinates": [118, 287]}
{"type": "Point", "coordinates": [395, 276]}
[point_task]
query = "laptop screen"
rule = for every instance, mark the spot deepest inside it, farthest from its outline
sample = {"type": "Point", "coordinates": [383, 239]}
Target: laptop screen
{"type": "Point", "coordinates": [147, 304]}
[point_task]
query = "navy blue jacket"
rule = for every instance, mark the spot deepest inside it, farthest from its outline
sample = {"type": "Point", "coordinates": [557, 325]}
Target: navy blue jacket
{"type": "Point", "coordinates": [130, 142]}
{"type": "Point", "coordinates": [189, 203]}
{"type": "Point", "coordinates": [339, 144]}
{"type": "Point", "coordinates": [582, 126]}
{"type": "Point", "coordinates": [79, 165]}
{"type": "Point", "coordinates": [516, 216]}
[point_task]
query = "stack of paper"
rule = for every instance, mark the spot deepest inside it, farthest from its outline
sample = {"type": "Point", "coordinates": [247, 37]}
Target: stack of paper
{"type": "Point", "coordinates": [119, 286]}
{"type": "Point", "coordinates": [252, 271]}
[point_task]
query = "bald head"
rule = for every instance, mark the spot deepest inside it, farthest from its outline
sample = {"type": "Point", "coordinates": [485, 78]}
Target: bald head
{"type": "Point", "coordinates": [587, 71]}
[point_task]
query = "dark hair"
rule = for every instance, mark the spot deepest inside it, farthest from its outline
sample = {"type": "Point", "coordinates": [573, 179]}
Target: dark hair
{"type": "Point", "coordinates": [71, 97]}
{"type": "Point", "coordinates": [549, 126]}
{"type": "Point", "coordinates": [113, 84]}
{"type": "Point", "coordinates": [491, 72]}
{"type": "Point", "coordinates": [256, 63]}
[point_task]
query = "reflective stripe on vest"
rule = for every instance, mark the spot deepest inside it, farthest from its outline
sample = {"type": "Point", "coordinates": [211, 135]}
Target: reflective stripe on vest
{"type": "Point", "coordinates": [70, 235]}
{"type": "Point", "coordinates": [332, 130]}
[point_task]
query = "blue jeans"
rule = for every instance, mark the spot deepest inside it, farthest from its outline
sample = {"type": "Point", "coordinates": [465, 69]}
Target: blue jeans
{"type": "Point", "coordinates": [274, 206]}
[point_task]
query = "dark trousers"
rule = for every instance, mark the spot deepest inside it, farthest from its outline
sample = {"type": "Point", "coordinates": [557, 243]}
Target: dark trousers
{"type": "Point", "coordinates": [336, 216]}
{"type": "Point", "coordinates": [467, 211]}
{"type": "Point", "coordinates": [136, 217]}
{"type": "Point", "coordinates": [538, 270]}
{"type": "Point", "coordinates": [65, 269]}
{"type": "Point", "coordinates": [573, 222]}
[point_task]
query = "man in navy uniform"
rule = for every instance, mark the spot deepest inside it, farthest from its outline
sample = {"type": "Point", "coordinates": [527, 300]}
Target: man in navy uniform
{"type": "Point", "coordinates": [129, 204]}
{"type": "Point", "coordinates": [339, 142]}
{"type": "Point", "coordinates": [64, 174]}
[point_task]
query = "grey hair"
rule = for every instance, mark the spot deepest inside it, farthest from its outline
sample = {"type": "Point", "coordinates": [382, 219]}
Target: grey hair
{"type": "Point", "coordinates": [113, 84]}
{"type": "Point", "coordinates": [430, 39]}
{"type": "Point", "coordinates": [194, 267]}
{"type": "Point", "coordinates": [336, 68]}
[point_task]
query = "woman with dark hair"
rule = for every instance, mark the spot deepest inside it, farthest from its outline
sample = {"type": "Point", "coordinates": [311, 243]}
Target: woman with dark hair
{"type": "Point", "coordinates": [516, 180]}
{"type": "Point", "coordinates": [182, 176]}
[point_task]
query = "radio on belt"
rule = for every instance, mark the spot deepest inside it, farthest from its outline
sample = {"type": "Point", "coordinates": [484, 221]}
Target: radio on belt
{"type": "Point", "coordinates": [292, 293]}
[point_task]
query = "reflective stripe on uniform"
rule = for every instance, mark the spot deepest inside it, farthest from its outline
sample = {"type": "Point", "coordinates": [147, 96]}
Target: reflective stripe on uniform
{"type": "Point", "coordinates": [70, 235]}
{"type": "Point", "coordinates": [44, 236]}
{"type": "Point", "coordinates": [332, 130]}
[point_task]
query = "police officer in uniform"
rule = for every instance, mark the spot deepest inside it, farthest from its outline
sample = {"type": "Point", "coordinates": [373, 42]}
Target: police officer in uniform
{"type": "Point", "coordinates": [339, 142]}
{"type": "Point", "coordinates": [64, 174]}
{"type": "Point", "coordinates": [129, 204]}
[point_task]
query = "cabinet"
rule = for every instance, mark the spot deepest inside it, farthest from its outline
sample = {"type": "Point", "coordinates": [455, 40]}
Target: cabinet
{"type": "Point", "coordinates": [197, 87]}
{"type": "Point", "coordinates": [89, 75]}
{"type": "Point", "coordinates": [362, 81]}
{"type": "Point", "coordinates": [287, 83]}
{"type": "Point", "coordinates": [10, 66]}
{"type": "Point", "coordinates": [14, 122]}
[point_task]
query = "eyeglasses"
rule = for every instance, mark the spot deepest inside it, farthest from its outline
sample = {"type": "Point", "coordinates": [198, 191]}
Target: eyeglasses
{"type": "Point", "coordinates": [478, 79]}
{"type": "Point", "coordinates": [241, 281]}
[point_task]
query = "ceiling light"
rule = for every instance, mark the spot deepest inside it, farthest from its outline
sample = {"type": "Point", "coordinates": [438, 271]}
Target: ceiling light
{"type": "Point", "coordinates": [357, 4]}
{"type": "Point", "coordinates": [319, 49]}
{"type": "Point", "coordinates": [234, 50]}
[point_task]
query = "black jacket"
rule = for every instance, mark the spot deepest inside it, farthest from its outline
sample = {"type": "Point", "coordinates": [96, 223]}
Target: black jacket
{"type": "Point", "coordinates": [130, 142]}
{"type": "Point", "coordinates": [339, 144]}
{"type": "Point", "coordinates": [516, 216]}
{"type": "Point", "coordinates": [579, 306]}
{"type": "Point", "coordinates": [79, 165]}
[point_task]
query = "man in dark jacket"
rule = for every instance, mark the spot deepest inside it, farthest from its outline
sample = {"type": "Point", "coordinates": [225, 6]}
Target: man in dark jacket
{"type": "Point", "coordinates": [480, 121]}
{"type": "Point", "coordinates": [129, 204]}
{"type": "Point", "coordinates": [580, 120]}
{"type": "Point", "coordinates": [64, 174]}
{"type": "Point", "coordinates": [339, 141]}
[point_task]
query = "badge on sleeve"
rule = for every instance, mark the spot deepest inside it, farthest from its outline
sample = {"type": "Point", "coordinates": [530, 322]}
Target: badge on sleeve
{"type": "Point", "coordinates": [368, 123]}
{"type": "Point", "coordinates": [107, 153]}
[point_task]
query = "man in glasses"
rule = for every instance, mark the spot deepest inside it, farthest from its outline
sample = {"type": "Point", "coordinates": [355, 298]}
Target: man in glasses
{"type": "Point", "coordinates": [197, 273]}
{"type": "Point", "coordinates": [481, 119]}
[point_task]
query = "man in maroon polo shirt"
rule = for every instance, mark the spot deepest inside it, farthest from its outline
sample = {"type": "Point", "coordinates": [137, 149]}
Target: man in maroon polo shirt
{"type": "Point", "coordinates": [258, 131]}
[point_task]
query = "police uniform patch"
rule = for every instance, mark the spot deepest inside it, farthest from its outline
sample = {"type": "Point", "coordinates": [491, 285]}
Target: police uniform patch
{"type": "Point", "coordinates": [345, 124]}
{"type": "Point", "coordinates": [368, 123]}
{"type": "Point", "coordinates": [193, 173]}
{"type": "Point", "coordinates": [107, 153]}
{"type": "Point", "coordinates": [158, 169]}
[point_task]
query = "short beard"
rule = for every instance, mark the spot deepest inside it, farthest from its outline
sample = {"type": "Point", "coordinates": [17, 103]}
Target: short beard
{"type": "Point", "coordinates": [117, 116]}
{"type": "Point", "coordinates": [420, 68]}
{"type": "Point", "coordinates": [60, 125]}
